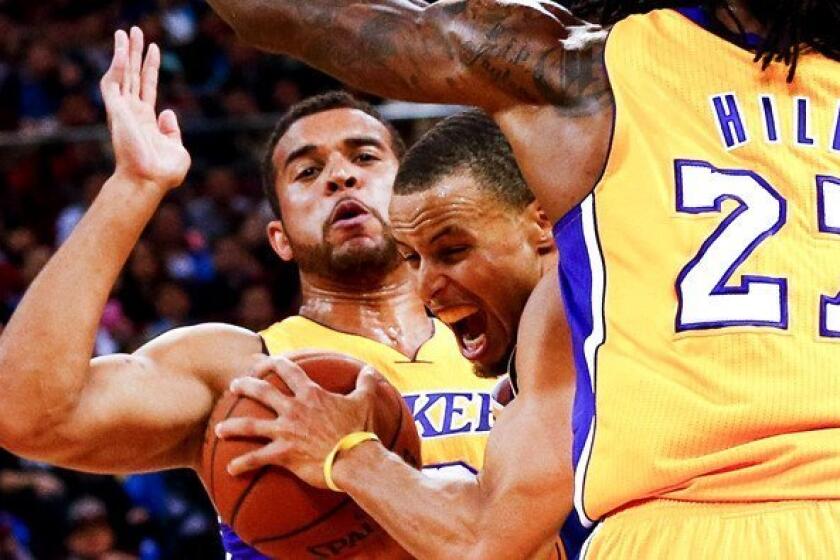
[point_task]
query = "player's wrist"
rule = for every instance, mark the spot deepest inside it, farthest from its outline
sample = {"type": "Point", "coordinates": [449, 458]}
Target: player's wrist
{"type": "Point", "coordinates": [349, 463]}
{"type": "Point", "coordinates": [138, 185]}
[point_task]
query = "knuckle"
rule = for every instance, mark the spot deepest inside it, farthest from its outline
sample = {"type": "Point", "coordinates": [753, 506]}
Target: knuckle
{"type": "Point", "coordinates": [311, 393]}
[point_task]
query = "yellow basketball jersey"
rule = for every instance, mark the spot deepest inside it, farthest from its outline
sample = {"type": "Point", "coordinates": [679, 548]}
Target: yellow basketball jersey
{"type": "Point", "coordinates": [451, 406]}
{"type": "Point", "coordinates": [702, 277]}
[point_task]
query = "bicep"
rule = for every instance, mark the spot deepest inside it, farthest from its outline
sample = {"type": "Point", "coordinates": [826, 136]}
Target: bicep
{"type": "Point", "coordinates": [135, 414]}
{"type": "Point", "coordinates": [148, 410]}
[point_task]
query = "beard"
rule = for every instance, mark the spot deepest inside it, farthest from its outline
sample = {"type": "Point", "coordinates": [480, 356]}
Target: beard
{"type": "Point", "coordinates": [490, 371]}
{"type": "Point", "coordinates": [349, 265]}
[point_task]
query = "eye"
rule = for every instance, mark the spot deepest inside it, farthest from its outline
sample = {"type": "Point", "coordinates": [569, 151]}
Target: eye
{"type": "Point", "coordinates": [306, 173]}
{"type": "Point", "coordinates": [412, 258]}
{"type": "Point", "coordinates": [453, 254]}
{"type": "Point", "coordinates": [365, 157]}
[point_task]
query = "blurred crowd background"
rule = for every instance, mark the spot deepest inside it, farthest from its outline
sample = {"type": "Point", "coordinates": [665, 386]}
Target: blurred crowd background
{"type": "Point", "coordinates": [203, 257]}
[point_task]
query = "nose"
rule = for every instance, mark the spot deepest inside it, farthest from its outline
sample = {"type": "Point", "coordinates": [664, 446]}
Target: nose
{"type": "Point", "coordinates": [430, 283]}
{"type": "Point", "coordinates": [341, 176]}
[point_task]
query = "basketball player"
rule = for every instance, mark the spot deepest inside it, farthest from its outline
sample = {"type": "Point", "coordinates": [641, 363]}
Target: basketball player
{"type": "Point", "coordinates": [695, 193]}
{"type": "Point", "coordinates": [477, 244]}
{"type": "Point", "coordinates": [330, 175]}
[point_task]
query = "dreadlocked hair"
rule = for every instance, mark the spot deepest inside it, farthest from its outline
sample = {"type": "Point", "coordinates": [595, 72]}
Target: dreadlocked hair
{"type": "Point", "coordinates": [790, 24]}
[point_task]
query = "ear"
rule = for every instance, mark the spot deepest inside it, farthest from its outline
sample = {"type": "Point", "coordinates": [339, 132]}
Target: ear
{"type": "Point", "coordinates": [279, 240]}
{"type": "Point", "coordinates": [538, 228]}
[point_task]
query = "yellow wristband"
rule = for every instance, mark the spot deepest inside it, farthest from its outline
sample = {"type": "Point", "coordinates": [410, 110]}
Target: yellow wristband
{"type": "Point", "coordinates": [344, 444]}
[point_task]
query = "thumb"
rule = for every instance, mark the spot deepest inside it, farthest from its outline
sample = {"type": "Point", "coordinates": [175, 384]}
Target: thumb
{"type": "Point", "coordinates": [168, 124]}
{"type": "Point", "coordinates": [365, 382]}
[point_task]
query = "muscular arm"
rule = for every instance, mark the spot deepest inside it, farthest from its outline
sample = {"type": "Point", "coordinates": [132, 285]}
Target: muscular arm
{"type": "Point", "coordinates": [488, 53]}
{"type": "Point", "coordinates": [118, 413]}
{"type": "Point", "coordinates": [522, 495]}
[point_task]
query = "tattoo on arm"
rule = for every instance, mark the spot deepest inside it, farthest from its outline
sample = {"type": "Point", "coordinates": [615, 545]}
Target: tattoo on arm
{"type": "Point", "coordinates": [481, 52]}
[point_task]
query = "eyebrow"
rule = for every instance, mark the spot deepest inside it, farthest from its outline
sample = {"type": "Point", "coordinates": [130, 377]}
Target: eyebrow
{"type": "Point", "coordinates": [360, 141]}
{"type": "Point", "coordinates": [448, 230]}
{"type": "Point", "coordinates": [299, 153]}
{"type": "Point", "coordinates": [355, 142]}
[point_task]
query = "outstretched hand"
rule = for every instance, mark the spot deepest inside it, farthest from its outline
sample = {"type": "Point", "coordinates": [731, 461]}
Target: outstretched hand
{"type": "Point", "coordinates": [308, 424]}
{"type": "Point", "coordinates": [147, 146]}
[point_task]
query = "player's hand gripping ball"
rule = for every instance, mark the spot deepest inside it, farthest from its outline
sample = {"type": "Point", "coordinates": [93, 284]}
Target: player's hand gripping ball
{"type": "Point", "coordinates": [275, 511]}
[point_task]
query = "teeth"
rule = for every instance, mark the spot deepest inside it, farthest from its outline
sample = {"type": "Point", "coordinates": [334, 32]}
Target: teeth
{"type": "Point", "coordinates": [473, 344]}
{"type": "Point", "coordinates": [452, 315]}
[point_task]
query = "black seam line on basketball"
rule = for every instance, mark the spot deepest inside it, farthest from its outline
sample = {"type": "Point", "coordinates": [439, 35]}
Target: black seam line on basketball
{"type": "Point", "coordinates": [316, 521]}
{"type": "Point", "coordinates": [343, 503]}
{"type": "Point", "coordinates": [244, 495]}
{"type": "Point", "coordinates": [213, 453]}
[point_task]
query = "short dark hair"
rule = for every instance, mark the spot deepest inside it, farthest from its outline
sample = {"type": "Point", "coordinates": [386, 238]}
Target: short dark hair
{"type": "Point", "coordinates": [311, 106]}
{"type": "Point", "coordinates": [469, 141]}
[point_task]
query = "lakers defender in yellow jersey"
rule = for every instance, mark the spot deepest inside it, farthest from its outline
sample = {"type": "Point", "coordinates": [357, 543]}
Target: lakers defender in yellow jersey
{"type": "Point", "coordinates": [332, 174]}
{"type": "Point", "coordinates": [691, 160]}
{"type": "Point", "coordinates": [329, 180]}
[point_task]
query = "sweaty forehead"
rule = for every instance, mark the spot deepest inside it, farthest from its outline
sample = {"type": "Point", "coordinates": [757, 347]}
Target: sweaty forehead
{"type": "Point", "coordinates": [329, 129]}
{"type": "Point", "coordinates": [453, 201]}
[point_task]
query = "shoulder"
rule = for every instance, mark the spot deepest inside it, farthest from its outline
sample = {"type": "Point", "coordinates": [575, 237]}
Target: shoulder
{"type": "Point", "coordinates": [544, 351]}
{"type": "Point", "coordinates": [202, 336]}
{"type": "Point", "coordinates": [213, 351]}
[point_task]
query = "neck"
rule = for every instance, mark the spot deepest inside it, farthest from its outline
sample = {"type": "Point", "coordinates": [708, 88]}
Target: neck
{"type": "Point", "coordinates": [388, 311]}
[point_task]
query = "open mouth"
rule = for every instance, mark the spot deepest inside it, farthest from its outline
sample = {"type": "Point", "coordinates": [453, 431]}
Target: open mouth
{"type": "Point", "coordinates": [470, 326]}
{"type": "Point", "coordinates": [348, 213]}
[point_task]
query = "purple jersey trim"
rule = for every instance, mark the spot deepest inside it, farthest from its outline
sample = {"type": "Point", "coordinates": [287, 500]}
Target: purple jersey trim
{"type": "Point", "coordinates": [576, 288]}
{"type": "Point", "coordinates": [237, 549]}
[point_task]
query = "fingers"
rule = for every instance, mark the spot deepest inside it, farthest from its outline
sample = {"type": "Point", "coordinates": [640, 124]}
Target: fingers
{"type": "Point", "coordinates": [168, 125]}
{"type": "Point", "coordinates": [245, 427]}
{"type": "Point", "coordinates": [135, 61]}
{"type": "Point", "coordinates": [111, 84]}
{"type": "Point", "coordinates": [292, 374]}
{"type": "Point", "coordinates": [261, 391]}
{"type": "Point", "coordinates": [264, 456]}
{"type": "Point", "coordinates": [366, 382]}
{"type": "Point", "coordinates": [149, 76]}
{"type": "Point", "coordinates": [263, 364]}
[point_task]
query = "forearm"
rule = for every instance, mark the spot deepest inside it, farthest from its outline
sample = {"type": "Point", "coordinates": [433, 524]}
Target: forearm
{"type": "Point", "coordinates": [487, 53]}
{"type": "Point", "coordinates": [353, 41]}
{"type": "Point", "coordinates": [430, 518]}
{"type": "Point", "coordinates": [46, 347]}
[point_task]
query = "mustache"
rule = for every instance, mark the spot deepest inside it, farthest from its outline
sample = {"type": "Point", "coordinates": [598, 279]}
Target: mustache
{"type": "Point", "coordinates": [386, 226]}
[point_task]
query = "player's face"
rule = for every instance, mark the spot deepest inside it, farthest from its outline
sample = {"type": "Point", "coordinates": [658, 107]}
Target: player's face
{"type": "Point", "coordinates": [475, 260]}
{"type": "Point", "coordinates": [335, 175]}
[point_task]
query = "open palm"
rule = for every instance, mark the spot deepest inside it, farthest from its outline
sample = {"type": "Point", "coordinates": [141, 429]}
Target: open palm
{"type": "Point", "coordinates": [147, 146]}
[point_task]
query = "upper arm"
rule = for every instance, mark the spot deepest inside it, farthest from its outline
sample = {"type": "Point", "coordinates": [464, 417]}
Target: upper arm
{"type": "Point", "coordinates": [528, 460]}
{"type": "Point", "coordinates": [148, 410]}
{"type": "Point", "coordinates": [526, 475]}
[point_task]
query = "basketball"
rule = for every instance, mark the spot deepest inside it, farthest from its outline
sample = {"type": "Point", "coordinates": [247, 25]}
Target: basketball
{"type": "Point", "coordinates": [276, 512]}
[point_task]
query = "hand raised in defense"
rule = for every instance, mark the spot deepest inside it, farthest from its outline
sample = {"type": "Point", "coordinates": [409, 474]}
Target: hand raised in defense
{"type": "Point", "coordinates": [147, 146]}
